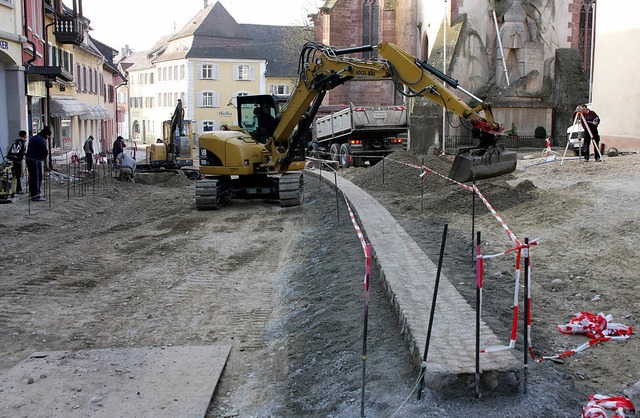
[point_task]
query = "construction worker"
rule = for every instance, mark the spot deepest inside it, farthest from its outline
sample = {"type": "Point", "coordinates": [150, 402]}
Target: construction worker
{"type": "Point", "coordinates": [16, 155]}
{"type": "Point", "coordinates": [126, 167]}
{"type": "Point", "coordinates": [590, 121]}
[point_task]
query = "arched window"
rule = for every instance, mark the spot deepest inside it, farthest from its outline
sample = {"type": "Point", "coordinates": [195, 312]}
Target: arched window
{"type": "Point", "coordinates": [586, 33]}
{"type": "Point", "coordinates": [370, 25]}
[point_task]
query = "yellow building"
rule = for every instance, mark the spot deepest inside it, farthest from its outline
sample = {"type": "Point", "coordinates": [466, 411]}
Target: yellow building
{"type": "Point", "coordinates": [206, 65]}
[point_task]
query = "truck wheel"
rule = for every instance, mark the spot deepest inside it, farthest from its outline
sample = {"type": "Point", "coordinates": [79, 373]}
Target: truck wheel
{"type": "Point", "coordinates": [334, 151]}
{"type": "Point", "coordinates": [345, 156]}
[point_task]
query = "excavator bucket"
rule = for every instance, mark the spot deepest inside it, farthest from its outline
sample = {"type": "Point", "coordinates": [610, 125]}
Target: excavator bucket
{"type": "Point", "coordinates": [481, 163]}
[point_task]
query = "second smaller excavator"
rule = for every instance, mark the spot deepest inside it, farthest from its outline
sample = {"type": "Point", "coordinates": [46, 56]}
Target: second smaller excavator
{"type": "Point", "coordinates": [175, 152]}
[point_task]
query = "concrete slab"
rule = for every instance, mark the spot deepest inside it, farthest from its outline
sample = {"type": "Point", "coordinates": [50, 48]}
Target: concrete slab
{"type": "Point", "coordinates": [134, 382]}
{"type": "Point", "coordinates": [409, 276]}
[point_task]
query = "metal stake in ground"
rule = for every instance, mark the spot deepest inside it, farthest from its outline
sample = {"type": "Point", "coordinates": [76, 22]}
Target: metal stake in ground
{"type": "Point", "coordinates": [479, 272]}
{"type": "Point", "coordinates": [527, 318]}
{"type": "Point", "coordinates": [421, 204]}
{"type": "Point", "coordinates": [367, 253]}
{"type": "Point", "coordinates": [473, 218]}
{"type": "Point", "coordinates": [423, 367]}
{"type": "Point", "coordinates": [335, 179]}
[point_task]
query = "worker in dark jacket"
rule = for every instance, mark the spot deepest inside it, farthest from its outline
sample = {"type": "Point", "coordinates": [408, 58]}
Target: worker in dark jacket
{"type": "Point", "coordinates": [118, 148]}
{"type": "Point", "coordinates": [36, 153]}
{"type": "Point", "coordinates": [88, 152]}
{"type": "Point", "coordinates": [590, 121]}
{"type": "Point", "coordinates": [16, 155]}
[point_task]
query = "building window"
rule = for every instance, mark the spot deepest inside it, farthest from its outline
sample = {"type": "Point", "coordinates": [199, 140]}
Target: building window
{"type": "Point", "coordinates": [208, 99]}
{"type": "Point", "coordinates": [371, 22]}
{"type": "Point", "coordinates": [243, 72]}
{"type": "Point", "coordinates": [78, 79]}
{"type": "Point", "coordinates": [208, 71]}
{"type": "Point", "coordinates": [207, 125]}
{"type": "Point", "coordinates": [279, 89]}
{"type": "Point", "coordinates": [159, 74]}
{"type": "Point", "coordinates": [182, 72]}
{"type": "Point", "coordinates": [585, 34]}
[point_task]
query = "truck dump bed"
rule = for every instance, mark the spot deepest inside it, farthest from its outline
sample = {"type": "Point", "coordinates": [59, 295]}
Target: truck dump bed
{"type": "Point", "coordinates": [362, 119]}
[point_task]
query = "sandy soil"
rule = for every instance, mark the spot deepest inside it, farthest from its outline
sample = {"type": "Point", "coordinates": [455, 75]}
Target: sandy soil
{"type": "Point", "coordinates": [135, 265]}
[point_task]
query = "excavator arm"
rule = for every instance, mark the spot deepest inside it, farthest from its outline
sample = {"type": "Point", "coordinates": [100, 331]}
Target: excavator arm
{"type": "Point", "coordinates": [322, 68]}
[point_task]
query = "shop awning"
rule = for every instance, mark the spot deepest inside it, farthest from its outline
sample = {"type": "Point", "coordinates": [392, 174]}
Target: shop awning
{"type": "Point", "coordinates": [67, 107]}
{"type": "Point", "coordinates": [96, 112]}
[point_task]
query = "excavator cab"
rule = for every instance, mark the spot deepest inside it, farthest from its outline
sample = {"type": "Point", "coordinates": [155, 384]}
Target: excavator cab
{"type": "Point", "coordinates": [257, 115]}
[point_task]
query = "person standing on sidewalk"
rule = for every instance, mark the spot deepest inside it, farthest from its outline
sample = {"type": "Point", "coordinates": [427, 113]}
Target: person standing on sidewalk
{"type": "Point", "coordinates": [16, 155]}
{"type": "Point", "coordinates": [36, 153]}
{"type": "Point", "coordinates": [88, 152]}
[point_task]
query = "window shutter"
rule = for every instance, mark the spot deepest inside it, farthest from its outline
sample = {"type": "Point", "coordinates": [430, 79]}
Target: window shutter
{"type": "Point", "coordinates": [272, 88]}
{"type": "Point", "coordinates": [199, 71]}
{"type": "Point", "coordinates": [216, 99]}
{"type": "Point", "coordinates": [252, 72]}
{"type": "Point", "coordinates": [200, 99]}
{"type": "Point", "coordinates": [215, 71]}
{"type": "Point", "coordinates": [236, 70]}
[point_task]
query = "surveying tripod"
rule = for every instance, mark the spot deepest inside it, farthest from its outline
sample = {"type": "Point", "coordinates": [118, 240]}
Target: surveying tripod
{"type": "Point", "coordinates": [598, 154]}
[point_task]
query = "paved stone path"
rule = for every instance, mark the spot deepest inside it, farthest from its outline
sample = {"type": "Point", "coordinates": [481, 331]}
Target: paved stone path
{"type": "Point", "coordinates": [410, 277]}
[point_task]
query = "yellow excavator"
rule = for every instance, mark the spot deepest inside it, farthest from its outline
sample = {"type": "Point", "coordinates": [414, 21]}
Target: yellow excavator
{"type": "Point", "coordinates": [175, 152]}
{"type": "Point", "coordinates": [264, 155]}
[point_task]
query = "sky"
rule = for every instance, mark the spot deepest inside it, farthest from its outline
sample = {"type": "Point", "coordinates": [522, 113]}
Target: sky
{"type": "Point", "coordinates": [139, 23]}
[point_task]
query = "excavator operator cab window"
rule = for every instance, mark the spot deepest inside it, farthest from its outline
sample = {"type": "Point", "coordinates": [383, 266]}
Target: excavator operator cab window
{"type": "Point", "coordinates": [258, 116]}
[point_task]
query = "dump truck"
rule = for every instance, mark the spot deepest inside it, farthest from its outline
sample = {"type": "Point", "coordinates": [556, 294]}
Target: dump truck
{"type": "Point", "coordinates": [357, 134]}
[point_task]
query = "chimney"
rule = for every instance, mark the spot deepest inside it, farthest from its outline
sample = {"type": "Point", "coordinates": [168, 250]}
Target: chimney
{"type": "Point", "coordinates": [206, 3]}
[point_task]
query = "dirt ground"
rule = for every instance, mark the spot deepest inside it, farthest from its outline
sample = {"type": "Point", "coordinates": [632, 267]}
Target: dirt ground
{"type": "Point", "coordinates": [136, 265]}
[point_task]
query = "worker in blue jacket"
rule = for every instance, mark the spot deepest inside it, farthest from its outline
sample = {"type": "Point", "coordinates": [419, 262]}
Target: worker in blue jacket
{"type": "Point", "coordinates": [36, 153]}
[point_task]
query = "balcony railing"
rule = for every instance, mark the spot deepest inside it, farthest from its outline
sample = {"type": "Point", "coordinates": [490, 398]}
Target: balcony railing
{"type": "Point", "coordinates": [69, 30]}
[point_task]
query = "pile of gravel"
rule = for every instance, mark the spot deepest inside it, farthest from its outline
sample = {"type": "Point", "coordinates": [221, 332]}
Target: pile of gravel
{"type": "Point", "coordinates": [399, 175]}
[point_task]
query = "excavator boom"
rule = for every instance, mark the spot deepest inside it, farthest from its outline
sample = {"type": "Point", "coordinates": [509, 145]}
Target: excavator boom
{"type": "Point", "coordinates": [323, 68]}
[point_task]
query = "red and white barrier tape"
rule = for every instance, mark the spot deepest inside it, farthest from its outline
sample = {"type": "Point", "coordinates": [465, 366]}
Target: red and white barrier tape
{"type": "Point", "coordinates": [597, 327]}
{"type": "Point", "coordinates": [354, 221]}
{"type": "Point", "coordinates": [426, 170]}
{"type": "Point", "coordinates": [601, 406]}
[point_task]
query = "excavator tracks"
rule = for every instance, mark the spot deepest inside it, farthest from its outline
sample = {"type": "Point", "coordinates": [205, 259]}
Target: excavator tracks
{"type": "Point", "coordinates": [291, 189]}
{"type": "Point", "coordinates": [211, 194]}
